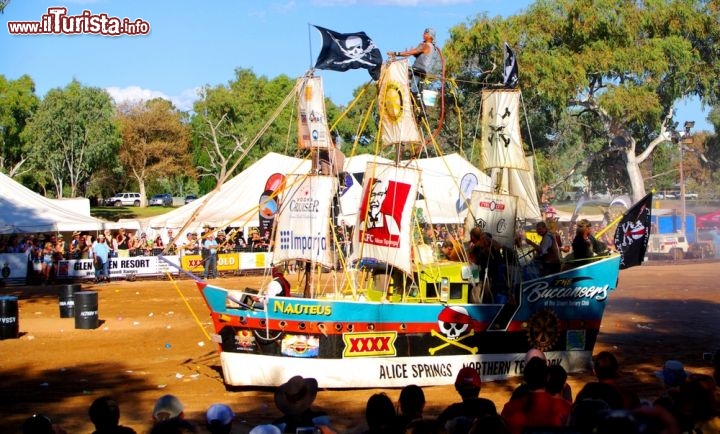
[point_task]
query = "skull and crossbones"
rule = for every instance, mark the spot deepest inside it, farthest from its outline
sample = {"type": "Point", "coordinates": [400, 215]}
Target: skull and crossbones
{"type": "Point", "coordinates": [353, 50]}
{"type": "Point", "coordinates": [453, 322]}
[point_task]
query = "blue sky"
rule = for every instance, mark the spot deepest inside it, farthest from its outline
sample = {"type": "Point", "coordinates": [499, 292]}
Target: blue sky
{"type": "Point", "coordinates": [192, 44]}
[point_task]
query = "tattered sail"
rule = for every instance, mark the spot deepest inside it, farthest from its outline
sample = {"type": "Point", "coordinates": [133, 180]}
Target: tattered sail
{"type": "Point", "coordinates": [313, 131]}
{"type": "Point", "coordinates": [501, 142]}
{"type": "Point", "coordinates": [494, 214]}
{"type": "Point", "coordinates": [303, 222]}
{"type": "Point", "coordinates": [384, 223]}
{"type": "Point", "coordinates": [397, 120]}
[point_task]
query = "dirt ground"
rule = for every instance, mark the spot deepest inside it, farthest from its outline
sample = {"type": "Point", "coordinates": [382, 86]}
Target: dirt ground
{"type": "Point", "coordinates": [153, 339]}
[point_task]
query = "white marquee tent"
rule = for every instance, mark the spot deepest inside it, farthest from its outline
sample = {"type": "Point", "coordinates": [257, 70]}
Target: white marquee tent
{"type": "Point", "coordinates": [236, 202]}
{"type": "Point", "coordinates": [24, 211]}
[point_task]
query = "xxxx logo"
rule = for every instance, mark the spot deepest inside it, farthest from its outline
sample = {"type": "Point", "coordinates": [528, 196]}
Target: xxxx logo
{"type": "Point", "coordinates": [369, 344]}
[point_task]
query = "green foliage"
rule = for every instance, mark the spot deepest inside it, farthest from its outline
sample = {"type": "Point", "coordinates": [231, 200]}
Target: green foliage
{"type": "Point", "coordinates": [615, 67]}
{"type": "Point", "coordinates": [18, 102]}
{"type": "Point", "coordinates": [71, 135]}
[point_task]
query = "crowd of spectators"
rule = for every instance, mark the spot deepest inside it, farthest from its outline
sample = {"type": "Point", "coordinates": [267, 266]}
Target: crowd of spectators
{"type": "Point", "coordinates": [542, 403]}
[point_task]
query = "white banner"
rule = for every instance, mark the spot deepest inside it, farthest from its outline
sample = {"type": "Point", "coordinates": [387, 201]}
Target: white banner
{"type": "Point", "coordinates": [313, 131]}
{"type": "Point", "coordinates": [118, 267]}
{"type": "Point", "coordinates": [501, 142]}
{"type": "Point", "coordinates": [385, 219]}
{"type": "Point", "coordinates": [494, 214]}
{"type": "Point", "coordinates": [303, 222]}
{"type": "Point", "coordinates": [397, 119]}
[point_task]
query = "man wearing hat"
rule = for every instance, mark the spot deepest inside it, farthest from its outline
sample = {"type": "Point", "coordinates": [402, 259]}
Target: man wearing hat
{"type": "Point", "coordinates": [468, 384]}
{"type": "Point", "coordinates": [101, 254]}
{"type": "Point", "coordinates": [424, 55]}
{"type": "Point", "coordinates": [294, 399]}
{"type": "Point", "coordinates": [210, 247]}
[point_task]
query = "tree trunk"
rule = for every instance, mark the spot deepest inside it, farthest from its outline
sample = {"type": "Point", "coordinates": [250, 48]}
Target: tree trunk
{"type": "Point", "coordinates": [632, 165]}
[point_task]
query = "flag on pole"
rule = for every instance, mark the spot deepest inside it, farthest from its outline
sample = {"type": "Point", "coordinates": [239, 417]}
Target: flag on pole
{"type": "Point", "coordinates": [633, 232]}
{"type": "Point", "coordinates": [343, 51]}
{"type": "Point", "coordinates": [510, 72]}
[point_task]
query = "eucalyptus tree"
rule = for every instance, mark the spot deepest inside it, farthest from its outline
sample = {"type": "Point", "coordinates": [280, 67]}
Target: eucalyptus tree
{"type": "Point", "coordinates": [155, 142]}
{"type": "Point", "coordinates": [71, 135]}
{"type": "Point", "coordinates": [18, 102]}
{"type": "Point", "coordinates": [616, 67]}
{"type": "Point", "coordinates": [231, 122]}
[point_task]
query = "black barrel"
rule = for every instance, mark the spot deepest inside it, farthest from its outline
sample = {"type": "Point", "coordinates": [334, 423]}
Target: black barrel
{"type": "Point", "coordinates": [66, 300]}
{"type": "Point", "coordinates": [8, 317]}
{"type": "Point", "coordinates": [86, 310]}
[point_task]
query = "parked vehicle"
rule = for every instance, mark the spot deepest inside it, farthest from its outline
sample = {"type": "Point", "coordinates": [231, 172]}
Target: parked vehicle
{"type": "Point", "coordinates": [189, 198]}
{"type": "Point", "coordinates": [163, 199]}
{"type": "Point", "coordinates": [668, 246]}
{"type": "Point", "coordinates": [124, 199]}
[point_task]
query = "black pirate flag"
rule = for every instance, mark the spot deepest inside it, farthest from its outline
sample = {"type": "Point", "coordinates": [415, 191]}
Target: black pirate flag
{"type": "Point", "coordinates": [633, 232]}
{"type": "Point", "coordinates": [343, 51]}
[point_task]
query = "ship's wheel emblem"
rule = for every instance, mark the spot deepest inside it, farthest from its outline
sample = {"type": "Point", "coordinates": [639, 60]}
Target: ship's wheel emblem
{"type": "Point", "coordinates": [454, 323]}
{"type": "Point", "coordinates": [543, 329]}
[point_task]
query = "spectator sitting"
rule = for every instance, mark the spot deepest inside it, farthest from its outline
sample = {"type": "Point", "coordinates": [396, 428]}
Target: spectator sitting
{"type": "Point", "coordinates": [468, 385]}
{"type": "Point", "coordinates": [606, 369]}
{"type": "Point", "coordinates": [536, 408]}
{"type": "Point", "coordinates": [167, 407]}
{"type": "Point", "coordinates": [411, 405]}
{"type": "Point", "coordinates": [294, 399]}
{"type": "Point", "coordinates": [174, 425]}
{"type": "Point", "coordinates": [265, 429]}
{"type": "Point", "coordinates": [219, 419]}
{"type": "Point", "coordinates": [380, 415]}
{"type": "Point", "coordinates": [557, 383]}
{"type": "Point", "coordinates": [41, 424]}
{"type": "Point", "coordinates": [104, 413]}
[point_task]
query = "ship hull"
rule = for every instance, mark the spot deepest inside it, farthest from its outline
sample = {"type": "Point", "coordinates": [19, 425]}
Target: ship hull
{"type": "Point", "coordinates": [348, 343]}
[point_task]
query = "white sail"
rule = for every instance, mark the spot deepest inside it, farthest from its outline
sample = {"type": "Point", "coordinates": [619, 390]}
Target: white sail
{"type": "Point", "coordinates": [383, 228]}
{"type": "Point", "coordinates": [494, 214]}
{"type": "Point", "coordinates": [313, 131]}
{"type": "Point", "coordinates": [521, 183]}
{"type": "Point", "coordinates": [303, 221]}
{"type": "Point", "coordinates": [397, 120]}
{"type": "Point", "coordinates": [501, 142]}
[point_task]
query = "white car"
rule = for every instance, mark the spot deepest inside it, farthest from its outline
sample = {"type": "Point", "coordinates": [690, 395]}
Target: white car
{"type": "Point", "coordinates": [124, 199]}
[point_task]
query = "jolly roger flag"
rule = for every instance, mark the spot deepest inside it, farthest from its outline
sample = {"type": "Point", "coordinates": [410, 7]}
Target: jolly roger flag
{"type": "Point", "coordinates": [343, 51]}
{"type": "Point", "coordinates": [633, 232]}
{"type": "Point", "coordinates": [510, 73]}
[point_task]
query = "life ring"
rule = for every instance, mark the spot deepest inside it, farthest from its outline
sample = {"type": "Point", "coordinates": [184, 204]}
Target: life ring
{"type": "Point", "coordinates": [543, 329]}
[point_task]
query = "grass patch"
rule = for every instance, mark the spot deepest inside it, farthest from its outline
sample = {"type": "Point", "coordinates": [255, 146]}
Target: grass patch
{"type": "Point", "coordinates": [115, 213]}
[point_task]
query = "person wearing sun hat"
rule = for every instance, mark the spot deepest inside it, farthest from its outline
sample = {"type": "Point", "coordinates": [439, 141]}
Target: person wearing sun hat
{"type": "Point", "coordinates": [167, 407]}
{"type": "Point", "coordinates": [294, 399]}
{"type": "Point", "coordinates": [468, 385]}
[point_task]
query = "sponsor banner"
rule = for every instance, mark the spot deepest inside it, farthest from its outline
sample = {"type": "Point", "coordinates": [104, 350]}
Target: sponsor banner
{"type": "Point", "coordinates": [253, 261]}
{"type": "Point", "coordinates": [225, 262]}
{"type": "Point", "coordinates": [313, 131]}
{"type": "Point", "coordinates": [135, 265]}
{"type": "Point", "coordinates": [13, 268]}
{"type": "Point", "coordinates": [303, 226]}
{"type": "Point", "coordinates": [494, 214]}
{"type": "Point", "coordinates": [382, 372]}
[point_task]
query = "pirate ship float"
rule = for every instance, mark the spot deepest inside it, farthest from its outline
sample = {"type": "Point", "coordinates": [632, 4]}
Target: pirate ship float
{"type": "Point", "coordinates": [399, 314]}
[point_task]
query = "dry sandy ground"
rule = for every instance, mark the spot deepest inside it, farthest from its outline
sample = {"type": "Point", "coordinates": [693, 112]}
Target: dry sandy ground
{"type": "Point", "coordinates": [152, 340]}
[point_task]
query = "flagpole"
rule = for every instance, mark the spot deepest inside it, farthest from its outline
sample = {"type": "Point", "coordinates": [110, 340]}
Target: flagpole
{"type": "Point", "coordinates": [310, 55]}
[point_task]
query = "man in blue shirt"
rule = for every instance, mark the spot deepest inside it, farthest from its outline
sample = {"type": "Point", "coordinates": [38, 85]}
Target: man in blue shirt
{"type": "Point", "coordinates": [210, 246]}
{"type": "Point", "coordinates": [101, 253]}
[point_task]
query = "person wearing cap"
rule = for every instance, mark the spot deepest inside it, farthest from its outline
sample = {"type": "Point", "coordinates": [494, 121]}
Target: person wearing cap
{"type": "Point", "coordinates": [294, 399]}
{"type": "Point", "coordinates": [468, 385]}
{"type": "Point", "coordinates": [101, 255]}
{"type": "Point", "coordinates": [424, 54]}
{"type": "Point", "coordinates": [219, 419]}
